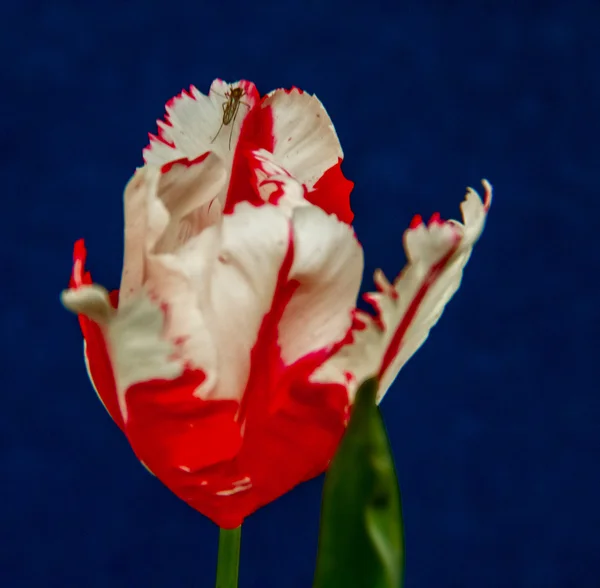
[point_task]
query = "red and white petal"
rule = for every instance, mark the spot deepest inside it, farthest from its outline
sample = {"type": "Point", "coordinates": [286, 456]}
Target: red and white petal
{"type": "Point", "coordinates": [193, 124]}
{"type": "Point", "coordinates": [233, 270]}
{"type": "Point", "coordinates": [327, 264]}
{"type": "Point", "coordinates": [200, 308]}
{"type": "Point", "coordinates": [327, 267]}
{"type": "Point", "coordinates": [305, 141]}
{"type": "Point", "coordinates": [133, 335]}
{"type": "Point", "coordinates": [138, 348]}
{"type": "Point", "coordinates": [407, 309]}
{"type": "Point", "coordinates": [96, 358]}
{"type": "Point", "coordinates": [214, 292]}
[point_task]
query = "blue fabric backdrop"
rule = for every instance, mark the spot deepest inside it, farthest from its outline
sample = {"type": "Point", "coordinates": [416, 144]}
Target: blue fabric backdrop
{"type": "Point", "coordinates": [494, 422]}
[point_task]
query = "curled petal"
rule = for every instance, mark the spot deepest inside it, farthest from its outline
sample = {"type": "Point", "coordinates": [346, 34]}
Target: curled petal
{"type": "Point", "coordinates": [146, 219]}
{"type": "Point", "coordinates": [235, 284]}
{"type": "Point", "coordinates": [406, 310]}
{"type": "Point", "coordinates": [96, 357]}
{"type": "Point", "coordinates": [306, 144]}
{"type": "Point", "coordinates": [164, 208]}
{"type": "Point", "coordinates": [192, 192]}
{"type": "Point", "coordinates": [327, 266]}
{"type": "Point", "coordinates": [133, 335]}
{"type": "Point", "coordinates": [305, 141]}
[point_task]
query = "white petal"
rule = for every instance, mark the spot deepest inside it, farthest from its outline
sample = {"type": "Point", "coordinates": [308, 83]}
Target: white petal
{"type": "Point", "coordinates": [193, 121]}
{"type": "Point", "coordinates": [189, 116]}
{"type": "Point", "coordinates": [146, 219]}
{"type": "Point", "coordinates": [164, 209]}
{"type": "Point", "coordinates": [89, 300]}
{"type": "Point", "coordinates": [412, 305]}
{"type": "Point", "coordinates": [306, 143]}
{"type": "Point", "coordinates": [191, 192]}
{"type": "Point", "coordinates": [159, 152]}
{"type": "Point", "coordinates": [328, 266]}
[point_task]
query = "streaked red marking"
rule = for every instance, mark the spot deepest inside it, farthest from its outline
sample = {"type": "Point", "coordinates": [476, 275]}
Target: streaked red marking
{"type": "Point", "coordinates": [435, 219]}
{"type": "Point", "coordinates": [432, 276]}
{"type": "Point", "coordinates": [416, 221]}
{"type": "Point", "coordinates": [331, 193]}
{"type": "Point", "coordinates": [96, 351]}
{"type": "Point", "coordinates": [184, 161]}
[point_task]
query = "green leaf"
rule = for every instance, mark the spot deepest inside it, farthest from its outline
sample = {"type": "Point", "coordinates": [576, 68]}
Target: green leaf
{"type": "Point", "coordinates": [361, 539]}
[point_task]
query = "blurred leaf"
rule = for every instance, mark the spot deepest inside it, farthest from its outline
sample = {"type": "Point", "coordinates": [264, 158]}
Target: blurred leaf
{"type": "Point", "coordinates": [361, 539]}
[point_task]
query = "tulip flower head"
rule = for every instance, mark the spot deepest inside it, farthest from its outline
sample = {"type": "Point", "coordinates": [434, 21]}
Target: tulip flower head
{"type": "Point", "coordinates": [232, 351]}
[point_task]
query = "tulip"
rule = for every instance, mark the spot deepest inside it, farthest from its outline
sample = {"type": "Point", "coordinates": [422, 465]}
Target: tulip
{"type": "Point", "coordinates": [231, 354]}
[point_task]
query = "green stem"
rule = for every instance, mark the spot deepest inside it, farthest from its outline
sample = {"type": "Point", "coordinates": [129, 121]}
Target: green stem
{"type": "Point", "coordinates": [228, 561]}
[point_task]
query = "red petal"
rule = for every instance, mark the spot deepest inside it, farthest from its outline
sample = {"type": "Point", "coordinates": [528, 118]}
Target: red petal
{"type": "Point", "coordinates": [96, 352]}
{"type": "Point", "coordinates": [294, 444]}
{"type": "Point", "coordinates": [101, 368]}
{"type": "Point", "coordinates": [332, 194]}
{"type": "Point", "coordinates": [174, 432]}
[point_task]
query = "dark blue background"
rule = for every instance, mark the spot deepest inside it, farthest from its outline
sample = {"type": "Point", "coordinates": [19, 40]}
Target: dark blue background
{"type": "Point", "coordinates": [494, 422]}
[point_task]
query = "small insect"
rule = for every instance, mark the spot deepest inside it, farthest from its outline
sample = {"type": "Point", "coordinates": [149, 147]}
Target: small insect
{"type": "Point", "coordinates": [230, 109]}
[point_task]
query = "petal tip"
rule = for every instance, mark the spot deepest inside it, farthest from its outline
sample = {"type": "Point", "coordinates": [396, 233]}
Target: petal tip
{"type": "Point", "coordinates": [487, 199]}
{"type": "Point", "coordinates": [416, 221]}
{"type": "Point", "coordinates": [89, 300]}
